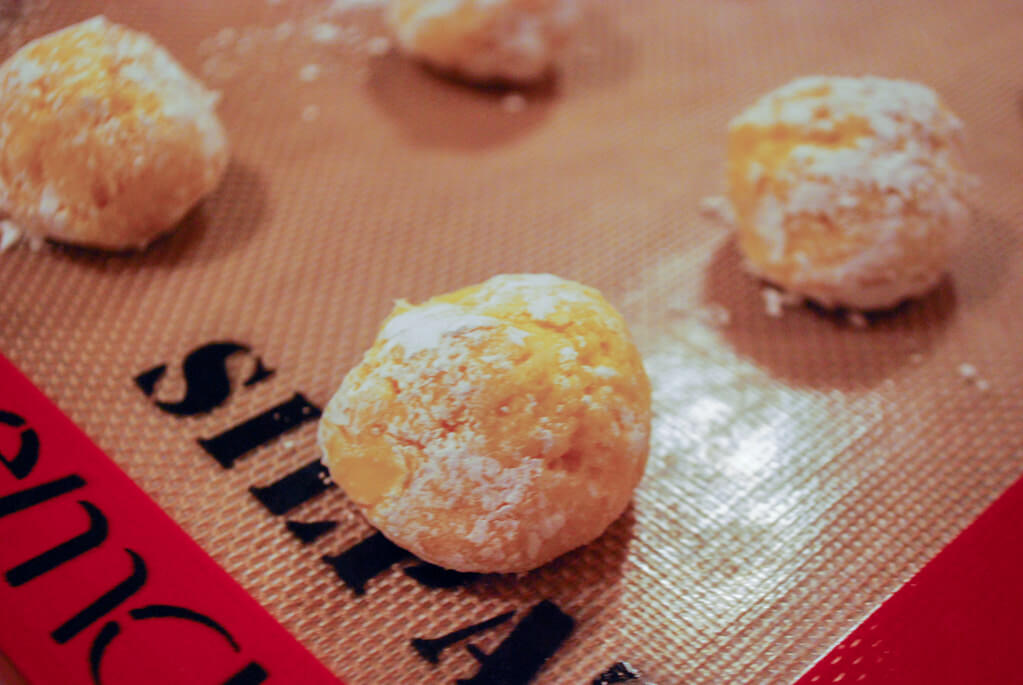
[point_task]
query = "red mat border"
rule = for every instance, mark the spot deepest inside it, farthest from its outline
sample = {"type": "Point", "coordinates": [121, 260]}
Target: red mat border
{"type": "Point", "coordinates": [98, 585]}
{"type": "Point", "coordinates": [957, 621]}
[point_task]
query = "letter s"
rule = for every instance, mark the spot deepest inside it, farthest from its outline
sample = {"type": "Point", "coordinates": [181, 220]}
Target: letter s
{"type": "Point", "coordinates": [207, 382]}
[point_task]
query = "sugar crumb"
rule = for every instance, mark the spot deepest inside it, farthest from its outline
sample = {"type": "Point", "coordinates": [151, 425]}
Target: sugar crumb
{"type": "Point", "coordinates": [310, 72]}
{"type": "Point", "coordinates": [245, 44]}
{"type": "Point", "coordinates": [324, 33]}
{"type": "Point", "coordinates": [970, 374]}
{"type": "Point", "coordinates": [310, 113]}
{"type": "Point", "coordinates": [225, 37]}
{"type": "Point", "coordinates": [776, 300]}
{"type": "Point", "coordinates": [715, 315]}
{"type": "Point", "coordinates": [967, 371]}
{"type": "Point", "coordinates": [718, 208]}
{"type": "Point", "coordinates": [513, 103]}
{"type": "Point", "coordinates": [378, 46]}
{"type": "Point", "coordinates": [283, 30]}
{"type": "Point", "coordinates": [9, 235]}
{"type": "Point", "coordinates": [856, 319]}
{"type": "Point", "coordinates": [773, 302]}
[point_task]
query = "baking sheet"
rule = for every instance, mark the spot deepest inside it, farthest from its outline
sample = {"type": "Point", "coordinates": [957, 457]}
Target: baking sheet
{"type": "Point", "coordinates": [801, 468]}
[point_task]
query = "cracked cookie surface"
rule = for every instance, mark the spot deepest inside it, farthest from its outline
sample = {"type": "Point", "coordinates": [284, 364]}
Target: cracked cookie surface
{"type": "Point", "coordinates": [496, 427]}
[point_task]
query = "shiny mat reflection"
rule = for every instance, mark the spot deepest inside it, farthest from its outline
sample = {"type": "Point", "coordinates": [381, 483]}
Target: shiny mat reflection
{"type": "Point", "coordinates": [801, 468]}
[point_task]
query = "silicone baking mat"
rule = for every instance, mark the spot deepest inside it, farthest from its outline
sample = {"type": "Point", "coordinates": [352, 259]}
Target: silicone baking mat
{"type": "Point", "coordinates": [802, 468]}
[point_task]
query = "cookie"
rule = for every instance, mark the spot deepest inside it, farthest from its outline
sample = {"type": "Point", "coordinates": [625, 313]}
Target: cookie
{"type": "Point", "coordinates": [105, 140]}
{"type": "Point", "coordinates": [504, 41]}
{"type": "Point", "coordinates": [494, 428]}
{"type": "Point", "coordinates": [851, 192]}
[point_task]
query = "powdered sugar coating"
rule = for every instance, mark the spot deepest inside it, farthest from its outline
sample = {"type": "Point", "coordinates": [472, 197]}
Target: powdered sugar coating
{"type": "Point", "coordinates": [850, 191]}
{"type": "Point", "coordinates": [105, 139]}
{"type": "Point", "coordinates": [469, 435]}
{"type": "Point", "coordinates": [485, 40]}
{"type": "Point", "coordinates": [416, 330]}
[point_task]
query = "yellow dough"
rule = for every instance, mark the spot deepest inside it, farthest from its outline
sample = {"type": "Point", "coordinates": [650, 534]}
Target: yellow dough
{"type": "Point", "coordinates": [496, 427]}
{"type": "Point", "coordinates": [485, 40]}
{"type": "Point", "coordinates": [848, 191]}
{"type": "Point", "coordinates": [105, 140]}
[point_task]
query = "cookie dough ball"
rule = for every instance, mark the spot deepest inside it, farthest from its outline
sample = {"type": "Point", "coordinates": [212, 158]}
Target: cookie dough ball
{"type": "Point", "coordinates": [514, 41]}
{"type": "Point", "coordinates": [105, 140]}
{"type": "Point", "coordinates": [848, 191]}
{"type": "Point", "coordinates": [496, 427]}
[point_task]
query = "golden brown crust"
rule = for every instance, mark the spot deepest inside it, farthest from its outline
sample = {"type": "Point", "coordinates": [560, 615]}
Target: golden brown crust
{"type": "Point", "coordinates": [106, 140]}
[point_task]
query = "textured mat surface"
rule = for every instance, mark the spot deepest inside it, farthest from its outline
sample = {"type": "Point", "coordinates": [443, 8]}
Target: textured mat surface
{"type": "Point", "coordinates": [802, 468]}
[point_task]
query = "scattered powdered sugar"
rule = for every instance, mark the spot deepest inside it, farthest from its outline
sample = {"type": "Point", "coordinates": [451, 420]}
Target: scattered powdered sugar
{"type": "Point", "coordinates": [281, 32]}
{"type": "Point", "coordinates": [715, 315]}
{"type": "Point", "coordinates": [480, 532]}
{"type": "Point", "coordinates": [310, 72]}
{"type": "Point", "coordinates": [513, 103]}
{"type": "Point", "coordinates": [456, 470]}
{"type": "Point", "coordinates": [968, 371]}
{"type": "Point", "coordinates": [856, 319]}
{"type": "Point", "coordinates": [517, 335]}
{"type": "Point", "coordinates": [890, 106]}
{"type": "Point", "coordinates": [637, 432]}
{"type": "Point", "coordinates": [378, 46]}
{"type": "Point", "coordinates": [310, 113]}
{"type": "Point", "coordinates": [550, 525]}
{"type": "Point", "coordinates": [533, 543]}
{"type": "Point", "coordinates": [27, 71]}
{"type": "Point", "coordinates": [546, 438]}
{"type": "Point", "coordinates": [10, 234]}
{"type": "Point", "coordinates": [427, 399]}
{"type": "Point", "coordinates": [910, 135]}
{"type": "Point", "coordinates": [140, 59]}
{"type": "Point", "coordinates": [776, 300]}
{"type": "Point", "coordinates": [718, 208]}
{"type": "Point", "coordinates": [769, 223]}
{"type": "Point", "coordinates": [542, 293]}
{"type": "Point", "coordinates": [49, 202]}
{"type": "Point", "coordinates": [899, 151]}
{"type": "Point", "coordinates": [133, 57]}
{"type": "Point", "coordinates": [312, 30]}
{"type": "Point", "coordinates": [424, 327]}
{"type": "Point", "coordinates": [323, 32]}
